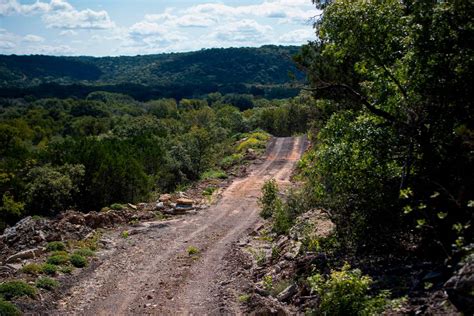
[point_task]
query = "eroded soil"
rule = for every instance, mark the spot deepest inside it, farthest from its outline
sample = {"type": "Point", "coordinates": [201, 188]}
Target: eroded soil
{"type": "Point", "coordinates": [151, 272]}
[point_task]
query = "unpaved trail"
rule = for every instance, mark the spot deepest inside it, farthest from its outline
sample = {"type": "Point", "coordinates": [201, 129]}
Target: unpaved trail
{"type": "Point", "coordinates": [151, 272]}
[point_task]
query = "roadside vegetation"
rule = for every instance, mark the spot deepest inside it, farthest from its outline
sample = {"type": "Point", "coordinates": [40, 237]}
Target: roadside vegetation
{"type": "Point", "coordinates": [109, 149]}
{"type": "Point", "coordinates": [389, 114]}
{"type": "Point", "coordinates": [390, 161]}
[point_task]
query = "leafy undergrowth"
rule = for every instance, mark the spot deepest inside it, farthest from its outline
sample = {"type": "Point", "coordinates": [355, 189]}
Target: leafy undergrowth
{"type": "Point", "coordinates": [304, 268]}
{"type": "Point", "coordinates": [42, 275]}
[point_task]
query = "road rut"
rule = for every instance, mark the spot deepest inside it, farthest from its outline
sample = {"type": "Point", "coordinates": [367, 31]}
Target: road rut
{"type": "Point", "coordinates": [152, 273]}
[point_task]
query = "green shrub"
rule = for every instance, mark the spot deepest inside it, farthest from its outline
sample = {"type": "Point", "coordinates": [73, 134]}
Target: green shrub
{"type": "Point", "coordinates": [85, 252]}
{"type": "Point", "coordinates": [13, 289]}
{"type": "Point", "coordinates": [267, 283]}
{"type": "Point", "coordinates": [52, 189]}
{"type": "Point", "coordinates": [58, 259]}
{"type": "Point", "coordinates": [260, 135]}
{"type": "Point", "coordinates": [231, 160]}
{"type": "Point", "coordinates": [124, 234]}
{"type": "Point", "coordinates": [56, 246]}
{"type": "Point", "coordinates": [280, 286]}
{"type": "Point", "coordinates": [345, 292]}
{"type": "Point", "coordinates": [268, 199]}
{"type": "Point", "coordinates": [31, 268]}
{"type": "Point", "coordinates": [117, 207]}
{"type": "Point", "coordinates": [66, 269]}
{"type": "Point", "coordinates": [8, 309]}
{"type": "Point", "coordinates": [91, 242]}
{"type": "Point", "coordinates": [214, 174]}
{"type": "Point", "coordinates": [209, 190]}
{"type": "Point", "coordinates": [47, 283]}
{"type": "Point", "coordinates": [49, 269]}
{"type": "Point", "coordinates": [244, 298]}
{"type": "Point", "coordinates": [281, 219]}
{"type": "Point", "coordinates": [192, 250]}
{"type": "Point", "coordinates": [78, 261]}
{"type": "Point", "coordinates": [250, 143]}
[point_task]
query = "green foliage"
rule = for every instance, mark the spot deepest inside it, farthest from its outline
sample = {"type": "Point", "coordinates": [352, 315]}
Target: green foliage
{"type": "Point", "coordinates": [49, 269]}
{"type": "Point", "coordinates": [192, 250]}
{"type": "Point", "coordinates": [209, 190]}
{"type": "Point", "coordinates": [394, 100]}
{"type": "Point", "coordinates": [117, 207]}
{"type": "Point", "coordinates": [13, 289]}
{"type": "Point", "coordinates": [52, 189]}
{"type": "Point", "coordinates": [66, 269]}
{"type": "Point", "coordinates": [355, 174]}
{"type": "Point", "coordinates": [47, 283]}
{"type": "Point", "coordinates": [244, 298]}
{"type": "Point", "coordinates": [214, 174]}
{"type": "Point", "coordinates": [260, 71]}
{"type": "Point", "coordinates": [78, 260]}
{"type": "Point", "coordinates": [31, 268]}
{"type": "Point", "coordinates": [346, 292]}
{"type": "Point", "coordinates": [85, 252]}
{"type": "Point", "coordinates": [269, 198]}
{"type": "Point", "coordinates": [91, 243]}
{"type": "Point", "coordinates": [55, 246]}
{"type": "Point", "coordinates": [267, 283]}
{"type": "Point", "coordinates": [10, 207]}
{"type": "Point", "coordinates": [58, 259]}
{"type": "Point", "coordinates": [8, 309]}
{"type": "Point", "coordinates": [231, 160]}
{"type": "Point", "coordinates": [124, 234]}
{"type": "Point", "coordinates": [281, 220]}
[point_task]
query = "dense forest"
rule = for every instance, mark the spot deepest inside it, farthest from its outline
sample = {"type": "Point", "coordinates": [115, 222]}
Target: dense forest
{"type": "Point", "coordinates": [109, 148]}
{"type": "Point", "coordinates": [387, 105]}
{"type": "Point", "coordinates": [260, 71]}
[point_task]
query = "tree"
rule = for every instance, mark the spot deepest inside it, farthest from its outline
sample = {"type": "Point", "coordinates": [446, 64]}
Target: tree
{"type": "Point", "coordinates": [409, 65]}
{"type": "Point", "coordinates": [52, 189]}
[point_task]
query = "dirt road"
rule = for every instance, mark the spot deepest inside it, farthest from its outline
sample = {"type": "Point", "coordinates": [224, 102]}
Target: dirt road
{"type": "Point", "coordinates": [152, 272]}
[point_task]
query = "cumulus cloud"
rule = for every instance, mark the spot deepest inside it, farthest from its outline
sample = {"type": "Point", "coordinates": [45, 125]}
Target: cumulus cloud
{"type": "Point", "coordinates": [151, 36]}
{"type": "Point", "coordinates": [221, 25]}
{"type": "Point", "coordinates": [203, 25]}
{"type": "Point", "coordinates": [297, 36]}
{"type": "Point", "coordinates": [243, 31]}
{"type": "Point", "coordinates": [31, 38]}
{"type": "Point", "coordinates": [283, 10]}
{"type": "Point", "coordinates": [68, 33]}
{"type": "Point", "coordinates": [73, 19]}
{"type": "Point", "coordinates": [58, 50]}
{"type": "Point", "coordinates": [59, 14]}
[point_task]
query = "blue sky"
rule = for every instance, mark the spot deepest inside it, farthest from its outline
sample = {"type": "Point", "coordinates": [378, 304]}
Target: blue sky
{"type": "Point", "coordinates": [139, 27]}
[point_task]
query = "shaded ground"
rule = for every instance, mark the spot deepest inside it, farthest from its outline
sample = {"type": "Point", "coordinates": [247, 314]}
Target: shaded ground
{"type": "Point", "coordinates": [151, 272]}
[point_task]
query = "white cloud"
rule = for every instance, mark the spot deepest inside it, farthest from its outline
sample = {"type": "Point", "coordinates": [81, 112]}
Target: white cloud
{"type": "Point", "coordinates": [59, 14]}
{"type": "Point", "coordinates": [221, 25]}
{"type": "Point", "coordinates": [299, 11]}
{"type": "Point", "coordinates": [297, 36]}
{"type": "Point", "coordinates": [61, 50]}
{"type": "Point", "coordinates": [30, 38]}
{"type": "Point", "coordinates": [150, 37]}
{"type": "Point", "coordinates": [73, 19]}
{"type": "Point", "coordinates": [8, 41]}
{"type": "Point", "coordinates": [68, 33]}
{"type": "Point", "coordinates": [244, 31]}
{"type": "Point", "coordinates": [6, 45]}
{"type": "Point", "coordinates": [10, 7]}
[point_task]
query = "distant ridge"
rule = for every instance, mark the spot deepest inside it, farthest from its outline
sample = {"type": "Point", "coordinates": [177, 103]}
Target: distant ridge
{"type": "Point", "coordinates": [263, 70]}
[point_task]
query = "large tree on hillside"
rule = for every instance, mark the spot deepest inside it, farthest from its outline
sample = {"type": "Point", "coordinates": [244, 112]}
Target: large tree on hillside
{"type": "Point", "coordinates": [409, 65]}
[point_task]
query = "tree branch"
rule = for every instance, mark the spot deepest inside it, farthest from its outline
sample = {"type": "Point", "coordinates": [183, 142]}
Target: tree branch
{"type": "Point", "coordinates": [371, 107]}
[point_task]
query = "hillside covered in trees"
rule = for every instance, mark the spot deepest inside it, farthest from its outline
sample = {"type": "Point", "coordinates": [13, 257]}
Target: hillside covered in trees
{"type": "Point", "coordinates": [388, 111]}
{"type": "Point", "coordinates": [260, 71]}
